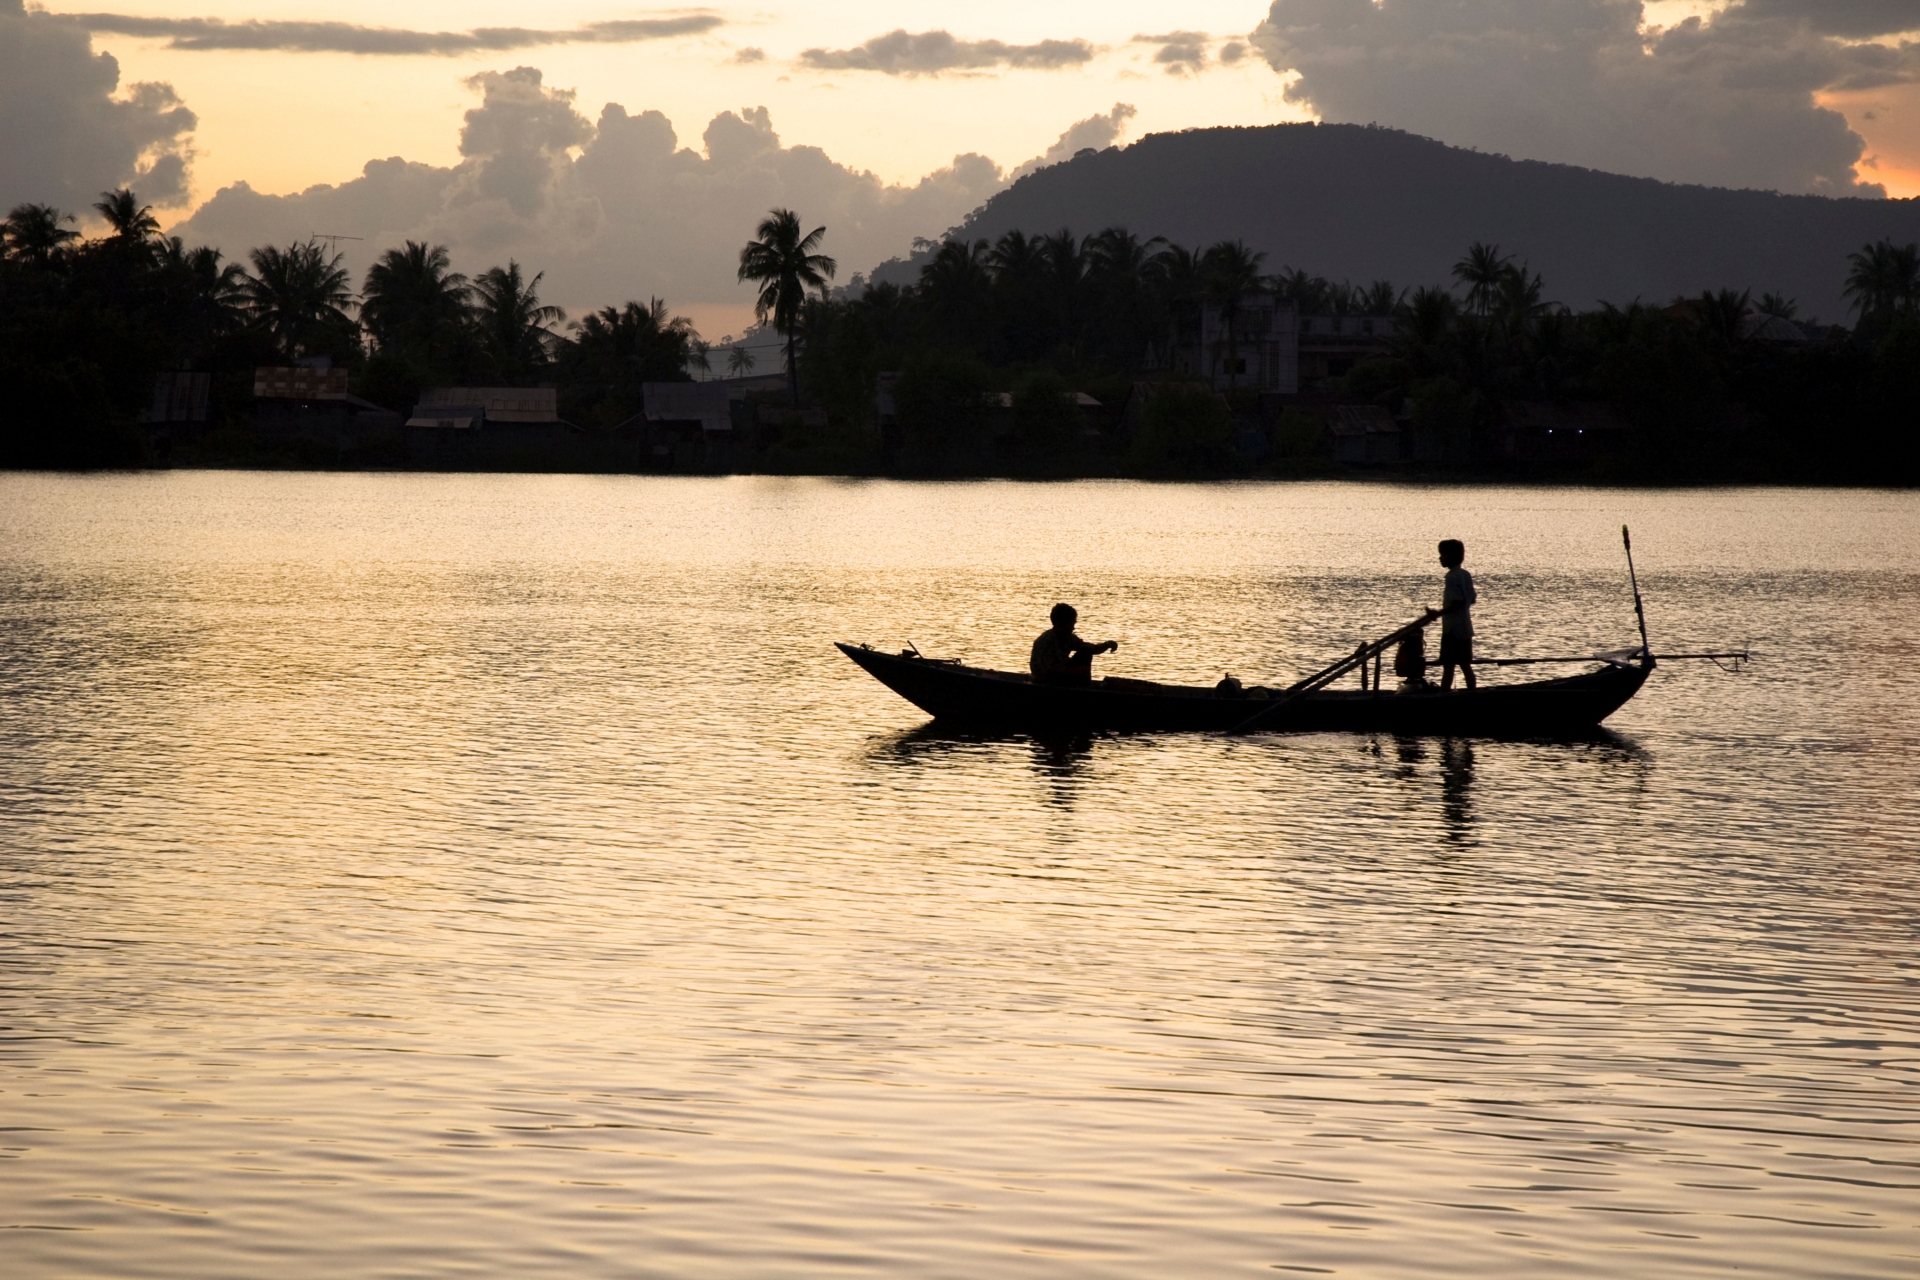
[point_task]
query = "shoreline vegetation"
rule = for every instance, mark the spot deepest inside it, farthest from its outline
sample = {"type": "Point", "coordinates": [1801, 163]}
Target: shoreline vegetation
{"type": "Point", "coordinates": [1037, 355]}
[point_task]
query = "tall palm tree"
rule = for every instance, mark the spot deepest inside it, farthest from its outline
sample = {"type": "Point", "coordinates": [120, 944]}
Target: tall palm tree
{"type": "Point", "coordinates": [132, 222]}
{"type": "Point", "coordinates": [297, 294]}
{"type": "Point", "coordinates": [512, 321]}
{"type": "Point", "coordinates": [958, 287]}
{"type": "Point", "coordinates": [1180, 277]}
{"type": "Point", "coordinates": [1883, 279]}
{"type": "Point", "coordinates": [1481, 271]}
{"type": "Point", "coordinates": [204, 295]}
{"type": "Point", "coordinates": [416, 307]}
{"type": "Point", "coordinates": [1778, 304]}
{"type": "Point", "coordinates": [739, 360]}
{"type": "Point", "coordinates": [785, 265]}
{"type": "Point", "coordinates": [33, 232]}
{"type": "Point", "coordinates": [1232, 276]}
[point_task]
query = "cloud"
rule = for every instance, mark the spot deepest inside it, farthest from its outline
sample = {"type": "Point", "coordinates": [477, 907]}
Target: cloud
{"type": "Point", "coordinates": [1853, 19]}
{"type": "Point", "coordinates": [1180, 52]}
{"type": "Point", "coordinates": [610, 209]}
{"type": "Point", "coordinates": [1097, 132]}
{"type": "Point", "coordinates": [749, 55]}
{"type": "Point", "coordinates": [928, 53]}
{"type": "Point", "coordinates": [68, 135]}
{"type": "Point", "coordinates": [1725, 100]}
{"type": "Point", "coordinates": [203, 34]}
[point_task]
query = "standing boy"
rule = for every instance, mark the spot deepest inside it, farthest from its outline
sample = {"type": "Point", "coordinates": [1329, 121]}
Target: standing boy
{"type": "Point", "coordinates": [1456, 616]}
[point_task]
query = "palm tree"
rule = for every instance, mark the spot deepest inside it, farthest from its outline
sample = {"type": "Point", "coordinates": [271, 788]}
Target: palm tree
{"type": "Point", "coordinates": [205, 296]}
{"type": "Point", "coordinates": [1517, 298]}
{"type": "Point", "coordinates": [1181, 278]}
{"type": "Point", "coordinates": [1426, 315]}
{"type": "Point", "coordinates": [297, 294]}
{"type": "Point", "coordinates": [1232, 274]}
{"type": "Point", "coordinates": [33, 232]}
{"type": "Point", "coordinates": [1481, 271]}
{"type": "Point", "coordinates": [785, 265]}
{"type": "Point", "coordinates": [1378, 299]}
{"type": "Point", "coordinates": [958, 287]}
{"type": "Point", "coordinates": [415, 307]}
{"type": "Point", "coordinates": [739, 360]}
{"type": "Point", "coordinates": [511, 320]}
{"type": "Point", "coordinates": [1775, 304]}
{"type": "Point", "coordinates": [1722, 315]}
{"type": "Point", "coordinates": [618, 350]}
{"type": "Point", "coordinates": [1883, 279]}
{"type": "Point", "coordinates": [132, 222]}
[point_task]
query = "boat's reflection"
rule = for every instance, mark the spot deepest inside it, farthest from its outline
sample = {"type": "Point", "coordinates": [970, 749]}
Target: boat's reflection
{"type": "Point", "coordinates": [1061, 760]}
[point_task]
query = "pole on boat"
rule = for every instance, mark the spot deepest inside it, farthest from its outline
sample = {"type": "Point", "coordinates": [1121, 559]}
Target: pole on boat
{"type": "Point", "coordinates": [1327, 675]}
{"type": "Point", "coordinates": [1639, 610]}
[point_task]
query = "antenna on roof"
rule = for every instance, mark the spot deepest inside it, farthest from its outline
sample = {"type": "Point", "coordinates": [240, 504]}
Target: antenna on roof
{"type": "Point", "coordinates": [333, 242]}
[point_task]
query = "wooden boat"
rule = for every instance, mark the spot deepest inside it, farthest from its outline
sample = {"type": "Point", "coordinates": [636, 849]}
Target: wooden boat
{"type": "Point", "coordinates": [956, 694]}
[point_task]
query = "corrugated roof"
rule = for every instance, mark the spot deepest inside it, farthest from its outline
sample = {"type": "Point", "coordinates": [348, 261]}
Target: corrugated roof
{"type": "Point", "coordinates": [500, 404]}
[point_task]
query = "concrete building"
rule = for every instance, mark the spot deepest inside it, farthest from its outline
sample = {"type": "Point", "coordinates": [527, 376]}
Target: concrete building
{"type": "Point", "coordinates": [1264, 353]}
{"type": "Point", "coordinates": [1331, 345]}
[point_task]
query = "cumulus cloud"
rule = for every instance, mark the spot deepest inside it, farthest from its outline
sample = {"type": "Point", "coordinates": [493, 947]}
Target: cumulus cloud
{"type": "Point", "coordinates": [1179, 52]}
{"type": "Point", "coordinates": [346, 37]}
{"type": "Point", "coordinates": [1726, 100]}
{"type": "Point", "coordinates": [749, 55]}
{"type": "Point", "coordinates": [1854, 19]}
{"type": "Point", "coordinates": [1096, 132]}
{"type": "Point", "coordinates": [68, 134]}
{"type": "Point", "coordinates": [928, 53]}
{"type": "Point", "coordinates": [610, 209]}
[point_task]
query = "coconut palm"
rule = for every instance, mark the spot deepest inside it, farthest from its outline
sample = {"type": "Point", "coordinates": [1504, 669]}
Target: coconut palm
{"type": "Point", "coordinates": [958, 287]}
{"type": "Point", "coordinates": [33, 232]}
{"type": "Point", "coordinates": [1776, 304]}
{"type": "Point", "coordinates": [1883, 279]}
{"type": "Point", "coordinates": [1378, 299]}
{"type": "Point", "coordinates": [785, 265]}
{"type": "Point", "coordinates": [132, 222]}
{"type": "Point", "coordinates": [1232, 275]}
{"type": "Point", "coordinates": [1181, 277]}
{"type": "Point", "coordinates": [298, 296]}
{"type": "Point", "coordinates": [205, 295]}
{"type": "Point", "coordinates": [511, 320]}
{"type": "Point", "coordinates": [1482, 271]}
{"type": "Point", "coordinates": [739, 360]}
{"type": "Point", "coordinates": [415, 307]}
{"type": "Point", "coordinates": [1426, 315]}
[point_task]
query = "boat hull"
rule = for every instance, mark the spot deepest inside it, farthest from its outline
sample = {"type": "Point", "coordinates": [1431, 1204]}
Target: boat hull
{"type": "Point", "coordinates": [981, 698]}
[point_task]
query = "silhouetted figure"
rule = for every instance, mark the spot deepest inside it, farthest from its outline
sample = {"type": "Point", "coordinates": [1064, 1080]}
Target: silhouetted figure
{"type": "Point", "coordinates": [1410, 662]}
{"type": "Point", "coordinates": [1456, 616]}
{"type": "Point", "coordinates": [1061, 657]}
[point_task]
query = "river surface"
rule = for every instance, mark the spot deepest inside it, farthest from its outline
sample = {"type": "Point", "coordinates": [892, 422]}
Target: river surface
{"type": "Point", "coordinates": [503, 876]}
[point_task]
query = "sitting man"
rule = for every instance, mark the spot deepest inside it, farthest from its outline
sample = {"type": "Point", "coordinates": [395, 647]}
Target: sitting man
{"type": "Point", "coordinates": [1061, 657]}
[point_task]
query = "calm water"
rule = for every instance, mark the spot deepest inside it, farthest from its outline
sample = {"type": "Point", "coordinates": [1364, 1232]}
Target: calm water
{"type": "Point", "coordinates": [462, 875]}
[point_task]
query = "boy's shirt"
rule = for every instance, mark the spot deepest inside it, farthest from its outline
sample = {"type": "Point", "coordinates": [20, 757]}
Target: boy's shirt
{"type": "Point", "coordinates": [1459, 590]}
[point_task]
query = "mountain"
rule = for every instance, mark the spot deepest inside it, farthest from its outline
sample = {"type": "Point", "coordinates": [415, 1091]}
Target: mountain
{"type": "Point", "coordinates": [1362, 203]}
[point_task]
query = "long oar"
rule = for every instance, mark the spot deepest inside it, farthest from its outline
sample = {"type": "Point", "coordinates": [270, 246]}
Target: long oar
{"type": "Point", "coordinates": [1327, 675]}
{"type": "Point", "coordinates": [1639, 610]}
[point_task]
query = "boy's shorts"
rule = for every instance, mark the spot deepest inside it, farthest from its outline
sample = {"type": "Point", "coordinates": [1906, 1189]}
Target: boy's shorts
{"type": "Point", "coordinates": [1457, 650]}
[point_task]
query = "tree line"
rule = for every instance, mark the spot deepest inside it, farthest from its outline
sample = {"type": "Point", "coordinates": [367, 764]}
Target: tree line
{"type": "Point", "coordinates": [85, 325]}
{"type": "Point", "coordinates": [1723, 384]}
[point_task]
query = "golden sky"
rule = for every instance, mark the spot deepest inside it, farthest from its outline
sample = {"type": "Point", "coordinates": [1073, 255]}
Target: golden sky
{"type": "Point", "coordinates": [282, 121]}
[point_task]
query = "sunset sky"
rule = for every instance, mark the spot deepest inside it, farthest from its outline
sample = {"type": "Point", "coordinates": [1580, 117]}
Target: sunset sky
{"type": "Point", "coordinates": [284, 94]}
